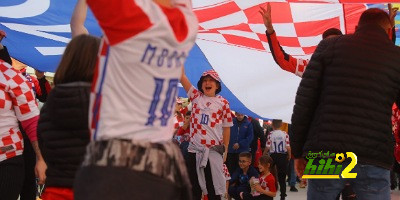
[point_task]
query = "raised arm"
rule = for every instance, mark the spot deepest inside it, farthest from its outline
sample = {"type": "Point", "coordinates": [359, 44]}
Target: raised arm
{"type": "Point", "coordinates": [78, 19]}
{"type": "Point", "coordinates": [185, 81]}
{"type": "Point", "coordinates": [284, 60]}
{"type": "Point", "coordinates": [27, 113]}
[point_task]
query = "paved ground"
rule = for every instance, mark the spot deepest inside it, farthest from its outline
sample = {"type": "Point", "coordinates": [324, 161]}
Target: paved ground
{"type": "Point", "coordinates": [302, 194]}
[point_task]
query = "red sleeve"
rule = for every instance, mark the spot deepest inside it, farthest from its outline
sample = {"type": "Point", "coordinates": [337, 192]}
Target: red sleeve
{"type": "Point", "coordinates": [271, 183]}
{"type": "Point", "coordinates": [30, 127]}
{"type": "Point", "coordinates": [47, 86]}
{"type": "Point", "coordinates": [284, 60]}
{"type": "Point", "coordinates": [120, 19]}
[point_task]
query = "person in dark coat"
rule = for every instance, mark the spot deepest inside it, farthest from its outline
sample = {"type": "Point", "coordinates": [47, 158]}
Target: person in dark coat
{"type": "Point", "coordinates": [63, 128]}
{"type": "Point", "coordinates": [258, 134]}
{"type": "Point", "coordinates": [343, 104]}
{"type": "Point", "coordinates": [239, 140]}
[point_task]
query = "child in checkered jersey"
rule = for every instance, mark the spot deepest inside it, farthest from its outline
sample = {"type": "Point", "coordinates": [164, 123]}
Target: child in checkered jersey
{"type": "Point", "coordinates": [268, 183]}
{"type": "Point", "coordinates": [211, 120]}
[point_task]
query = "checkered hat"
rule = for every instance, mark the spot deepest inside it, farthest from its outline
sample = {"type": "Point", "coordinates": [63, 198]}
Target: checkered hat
{"type": "Point", "coordinates": [212, 73]}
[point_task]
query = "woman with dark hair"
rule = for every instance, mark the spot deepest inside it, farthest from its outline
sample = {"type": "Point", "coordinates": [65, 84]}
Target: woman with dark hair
{"type": "Point", "coordinates": [63, 126]}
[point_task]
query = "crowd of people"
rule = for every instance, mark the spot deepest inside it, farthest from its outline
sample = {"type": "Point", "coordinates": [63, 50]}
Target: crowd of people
{"type": "Point", "coordinates": [112, 128]}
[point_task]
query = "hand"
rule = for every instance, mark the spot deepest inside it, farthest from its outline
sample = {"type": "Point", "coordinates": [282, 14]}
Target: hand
{"type": "Point", "coordinates": [236, 146]}
{"type": "Point", "coordinates": [225, 155]}
{"type": "Point", "coordinates": [258, 188]}
{"type": "Point", "coordinates": [266, 15]}
{"type": "Point", "coordinates": [40, 171]}
{"type": "Point", "coordinates": [39, 74]}
{"type": "Point", "coordinates": [2, 35]}
{"type": "Point", "coordinates": [288, 157]}
{"type": "Point", "coordinates": [300, 166]}
{"type": "Point", "coordinates": [392, 13]}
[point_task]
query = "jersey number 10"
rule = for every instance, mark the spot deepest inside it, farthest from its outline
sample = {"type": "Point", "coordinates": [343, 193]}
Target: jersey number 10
{"type": "Point", "coordinates": [168, 103]}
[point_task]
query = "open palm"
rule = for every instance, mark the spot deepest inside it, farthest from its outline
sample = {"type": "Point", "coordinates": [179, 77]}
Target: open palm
{"type": "Point", "coordinates": [266, 15]}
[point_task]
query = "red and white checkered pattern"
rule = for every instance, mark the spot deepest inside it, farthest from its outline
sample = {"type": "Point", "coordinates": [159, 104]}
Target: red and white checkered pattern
{"type": "Point", "coordinates": [212, 73]}
{"type": "Point", "coordinates": [239, 23]}
{"type": "Point", "coordinates": [215, 113]}
{"type": "Point", "coordinates": [226, 172]}
{"type": "Point", "coordinates": [17, 103]}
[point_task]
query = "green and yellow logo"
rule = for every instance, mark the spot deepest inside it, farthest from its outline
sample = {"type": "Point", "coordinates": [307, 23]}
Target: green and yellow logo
{"type": "Point", "coordinates": [329, 166]}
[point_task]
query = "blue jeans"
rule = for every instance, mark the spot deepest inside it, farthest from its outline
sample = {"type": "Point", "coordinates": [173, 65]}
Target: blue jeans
{"type": "Point", "coordinates": [293, 176]}
{"type": "Point", "coordinates": [372, 182]}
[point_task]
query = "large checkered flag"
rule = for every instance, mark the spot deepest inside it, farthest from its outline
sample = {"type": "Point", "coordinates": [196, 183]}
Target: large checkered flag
{"type": "Point", "coordinates": [299, 26]}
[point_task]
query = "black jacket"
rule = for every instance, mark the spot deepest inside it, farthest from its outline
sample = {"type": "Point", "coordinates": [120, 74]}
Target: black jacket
{"type": "Point", "coordinates": [344, 100]}
{"type": "Point", "coordinates": [258, 134]}
{"type": "Point", "coordinates": [63, 132]}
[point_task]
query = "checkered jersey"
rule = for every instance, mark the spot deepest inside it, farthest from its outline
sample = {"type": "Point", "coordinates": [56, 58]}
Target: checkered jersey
{"type": "Point", "coordinates": [209, 116]}
{"type": "Point", "coordinates": [17, 103]}
{"type": "Point", "coordinates": [226, 172]}
{"type": "Point", "coordinates": [139, 66]}
{"type": "Point", "coordinates": [268, 183]}
{"type": "Point", "coordinates": [278, 141]}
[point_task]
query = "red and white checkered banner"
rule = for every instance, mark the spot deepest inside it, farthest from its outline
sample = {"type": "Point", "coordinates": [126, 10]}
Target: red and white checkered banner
{"type": "Point", "coordinates": [232, 38]}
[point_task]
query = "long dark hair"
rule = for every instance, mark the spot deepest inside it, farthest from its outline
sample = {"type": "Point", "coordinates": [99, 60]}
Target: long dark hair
{"type": "Point", "coordinates": [78, 60]}
{"type": "Point", "coordinates": [264, 161]}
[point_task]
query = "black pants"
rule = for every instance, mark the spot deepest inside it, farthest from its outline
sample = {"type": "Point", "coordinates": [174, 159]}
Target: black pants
{"type": "Point", "coordinates": [29, 187]}
{"type": "Point", "coordinates": [232, 162]}
{"type": "Point", "coordinates": [123, 169]}
{"type": "Point", "coordinates": [281, 163]}
{"type": "Point", "coordinates": [11, 178]}
{"type": "Point", "coordinates": [191, 167]}
{"type": "Point", "coordinates": [120, 183]}
{"type": "Point", "coordinates": [184, 148]}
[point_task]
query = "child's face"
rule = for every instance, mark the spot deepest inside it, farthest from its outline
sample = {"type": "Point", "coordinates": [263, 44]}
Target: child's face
{"type": "Point", "coordinates": [244, 162]}
{"type": "Point", "coordinates": [262, 168]}
{"type": "Point", "coordinates": [187, 118]}
{"type": "Point", "coordinates": [178, 107]}
{"type": "Point", "coordinates": [209, 86]}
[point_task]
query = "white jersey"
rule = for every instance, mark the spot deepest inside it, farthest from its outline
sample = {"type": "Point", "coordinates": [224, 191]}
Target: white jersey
{"type": "Point", "coordinates": [209, 116]}
{"type": "Point", "coordinates": [141, 58]}
{"type": "Point", "coordinates": [278, 141]}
